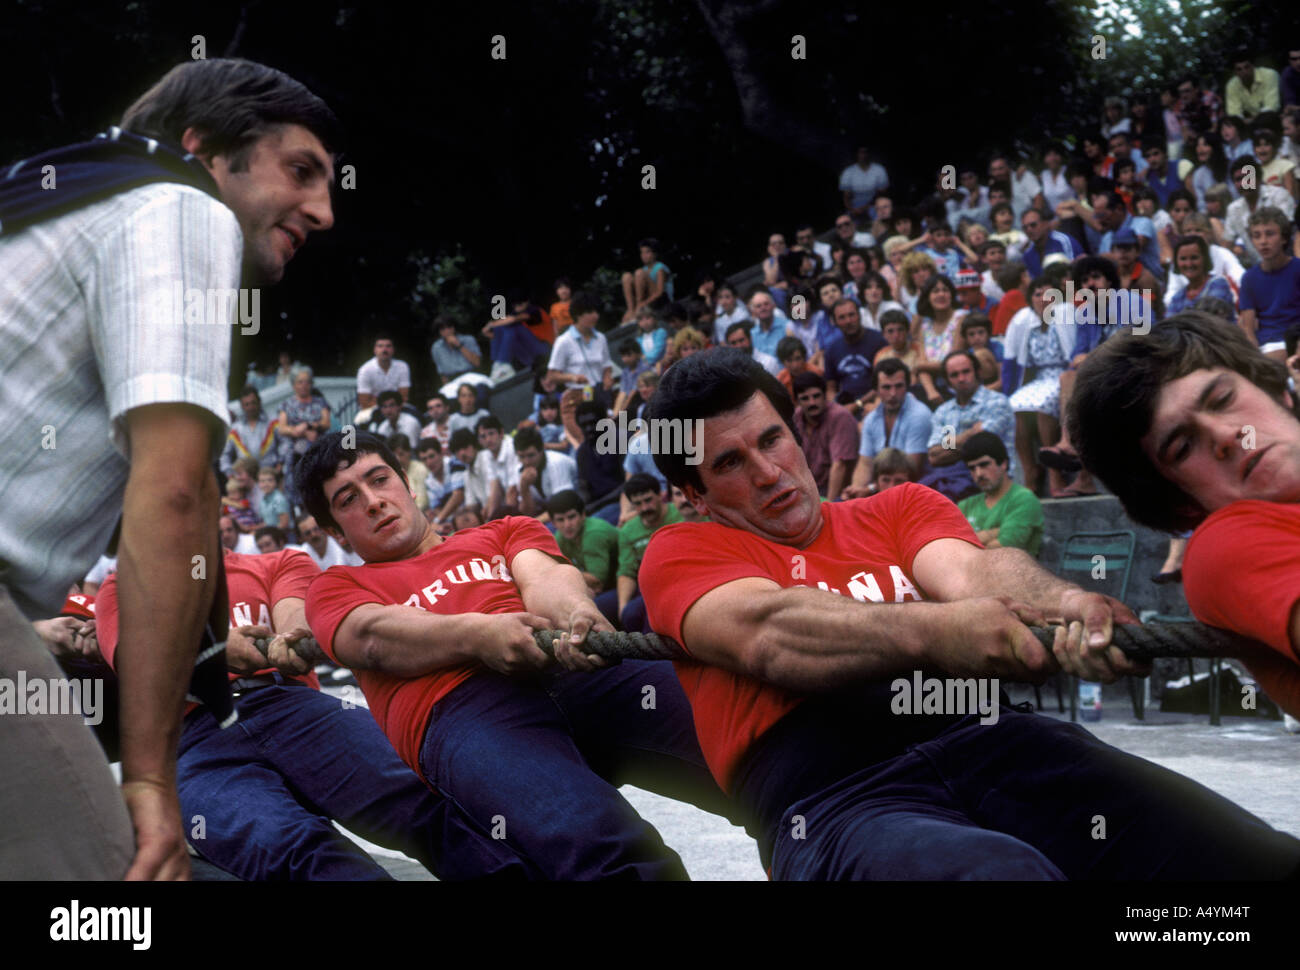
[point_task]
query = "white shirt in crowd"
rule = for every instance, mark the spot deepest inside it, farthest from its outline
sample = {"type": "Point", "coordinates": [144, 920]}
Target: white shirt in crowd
{"type": "Point", "coordinates": [407, 424]}
{"type": "Point", "coordinates": [104, 567]}
{"type": "Point", "coordinates": [373, 379]}
{"type": "Point", "coordinates": [335, 555]}
{"type": "Point", "coordinates": [721, 321]}
{"type": "Point", "coordinates": [574, 355]}
{"type": "Point", "coordinates": [504, 465]}
{"type": "Point", "coordinates": [560, 473]}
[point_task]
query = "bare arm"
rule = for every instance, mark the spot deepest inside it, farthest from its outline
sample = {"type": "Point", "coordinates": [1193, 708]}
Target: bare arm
{"type": "Point", "coordinates": [626, 590]}
{"type": "Point", "coordinates": [1248, 320]}
{"type": "Point", "coordinates": [839, 474]}
{"type": "Point", "coordinates": [170, 506]}
{"type": "Point", "coordinates": [558, 592]}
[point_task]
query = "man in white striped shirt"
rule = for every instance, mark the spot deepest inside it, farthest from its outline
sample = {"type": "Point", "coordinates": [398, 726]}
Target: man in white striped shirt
{"type": "Point", "coordinates": [115, 385]}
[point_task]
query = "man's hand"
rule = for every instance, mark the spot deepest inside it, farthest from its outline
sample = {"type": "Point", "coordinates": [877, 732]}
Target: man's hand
{"type": "Point", "coordinates": [987, 637]}
{"type": "Point", "coordinates": [506, 642]}
{"type": "Point", "coordinates": [527, 478]}
{"type": "Point", "coordinates": [584, 618]}
{"type": "Point", "coordinates": [592, 581]}
{"type": "Point", "coordinates": [160, 852]}
{"type": "Point", "coordinates": [242, 655]}
{"type": "Point", "coordinates": [1083, 645]}
{"type": "Point", "coordinates": [87, 641]}
{"type": "Point", "coordinates": [280, 651]}
{"type": "Point", "coordinates": [60, 635]}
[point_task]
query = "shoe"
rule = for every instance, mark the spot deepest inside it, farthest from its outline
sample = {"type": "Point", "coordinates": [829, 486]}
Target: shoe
{"type": "Point", "coordinates": [1057, 460]}
{"type": "Point", "coordinates": [1173, 576]}
{"type": "Point", "coordinates": [1291, 724]}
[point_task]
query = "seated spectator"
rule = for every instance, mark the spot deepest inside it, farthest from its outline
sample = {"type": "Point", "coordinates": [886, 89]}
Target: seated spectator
{"type": "Point", "coordinates": [899, 421]}
{"type": "Point", "coordinates": [895, 251]}
{"type": "Point", "coordinates": [738, 336]}
{"type": "Point", "coordinates": [897, 331]}
{"type": "Point", "coordinates": [600, 470]}
{"type": "Point", "coordinates": [1004, 513]}
{"type": "Point", "coordinates": [872, 298]}
{"type": "Point", "coordinates": [466, 519]}
{"type": "Point", "coordinates": [1217, 200]}
{"type": "Point", "coordinates": [482, 489]}
{"type": "Point", "coordinates": [848, 234]}
{"type": "Point", "coordinates": [1163, 175]}
{"type": "Point", "coordinates": [252, 436]}
{"type": "Point", "coordinates": [1133, 275]}
{"type": "Point", "coordinates": [652, 513]}
{"type": "Point", "coordinates": [794, 361]}
{"type": "Point", "coordinates": [769, 323]}
{"type": "Point", "coordinates": [829, 435]}
{"type": "Point", "coordinates": [1270, 290]}
{"type": "Point", "coordinates": [453, 354]}
{"type": "Point", "coordinates": [323, 549]}
{"type": "Point", "coordinates": [444, 483]}
{"type": "Point", "coordinates": [970, 295]}
{"type": "Point", "coordinates": [1039, 344]}
{"type": "Point", "coordinates": [469, 414]}
{"type": "Point", "coordinates": [651, 335]}
{"type": "Point", "coordinates": [645, 388]}
{"type": "Point", "coordinates": [849, 357]}
{"type": "Point", "coordinates": [542, 474]}
{"type": "Point", "coordinates": [937, 324]}
{"type": "Point", "coordinates": [395, 420]}
{"type": "Point", "coordinates": [236, 505]}
{"type": "Point", "coordinates": [634, 365]}
{"type": "Point", "coordinates": [977, 333]}
{"type": "Point", "coordinates": [551, 427]}
{"type": "Point", "coordinates": [1042, 240]}
{"type": "Point", "coordinates": [1013, 279]}
{"type": "Point", "coordinates": [805, 240]}
{"type": "Point", "coordinates": [270, 539]}
{"type": "Point", "coordinates": [415, 470]}
{"type": "Point", "coordinates": [649, 282]}
{"type": "Point", "coordinates": [1211, 168]}
{"type": "Point", "coordinates": [1055, 176]}
{"type": "Point", "coordinates": [581, 354]}
{"type": "Point", "coordinates": [729, 310]}
{"type": "Point", "coordinates": [591, 544]}
{"type": "Point", "coordinates": [882, 222]}
{"type": "Point", "coordinates": [972, 236]}
{"type": "Point", "coordinates": [1235, 135]}
{"type": "Point", "coordinates": [890, 468]}
{"type": "Point", "coordinates": [303, 417]}
{"type": "Point", "coordinates": [993, 255]}
{"type": "Point", "coordinates": [1004, 227]}
{"type": "Point", "coordinates": [819, 329]}
{"type": "Point", "coordinates": [973, 408]}
{"type": "Point", "coordinates": [1223, 263]}
{"type": "Point", "coordinates": [381, 373]}
{"type": "Point", "coordinates": [498, 455]}
{"type": "Point", "coordinates": [517, 340]}
{"type": "Point", "coordinates": [941, 248]}
{"type": "Point", "coordinates": [1251, 90]}
{"type": "Point", "coordinates": [273, 504]}
{"type": "Point", "coordinates": [560, 307]}
{"type": "Point", "coordinates": [437, 416]}
{"type": "Point", "coordinates": [685, 342]}
{"type": "Point", "coordinates": [860, 183]}
{"type": "Point", "coordinates": [972, 204]}
{"type": "Point", "coordinates": [233, 539]}
{"type": "Point", "coordinates": [1168, 222]}
{"type": "Point", "coordinates": [1274, 168]}
{"type": "Point", "coordinates": [1192, 261]}
{"type": "Point", "coordinates": [914, 272]}
{"type": "Point", "coordinates": [1254, 196]}
{"type": "Point", "coordinates": [1026, 192]}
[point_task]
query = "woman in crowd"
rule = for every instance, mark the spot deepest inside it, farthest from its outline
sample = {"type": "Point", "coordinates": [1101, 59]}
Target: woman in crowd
{"type": "Point", "coordinates": [856, 267]}
{"type": "Point", "coordinates": [304, 417]}
{"type": "Point", "coordinates": [914, 272]}
{"type": "Point", "coordinates": [1037, 354]}
{"type": "Point", "coordinates": [1169, 222]}
{"type": "Point", "coordinates": [1054, 176]}
{"type": "Point", "coordinates": [1094, 153]}
{"type": "Point", "coordinates": [1217, 199]}
{"type": "Point", "coordinates": [772, 275]}
{"type": "Point", "coordinates": [1235, 143]}
{"type": "Point", "coordinates": [873, 297]}
{"type": "Point", "coordinates": [468, 412]}
{"type": "Point", "coordinates": [1004, 227]}
{"type": "Point", "coordinates": [1192, 260]}
{"type": "Point", "coordinates": [937, 323]}
{"type": "Point", "coordinates": [1211, 167]}
{"type": "Point", "coordinates": [1274, 169]}
{"type": "Point", "coordinates": [895, 250]}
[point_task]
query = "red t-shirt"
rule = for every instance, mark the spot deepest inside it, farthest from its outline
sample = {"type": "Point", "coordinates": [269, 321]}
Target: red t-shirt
{"type": "Point", "coordinates": [1241, 572]}
{"type": "Point", "coordinates": [253, 583]}
{"type": "Point", "coordinates": [1011, 304]}
{"type": "Point", "coordinates": [466, 573]}
{"type": "Point", "coordinates": [864, 550]}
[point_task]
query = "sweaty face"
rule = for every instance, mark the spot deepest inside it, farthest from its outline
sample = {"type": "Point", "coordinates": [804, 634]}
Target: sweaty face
{"type": "Point", "coordinates": [375, 510]}
{"type": "Point", "coordinates": [756, 477]}
{"type": "Point", "coordinates": [1221, 439]}
{"type": "Point", "coordinates": [281, 197]}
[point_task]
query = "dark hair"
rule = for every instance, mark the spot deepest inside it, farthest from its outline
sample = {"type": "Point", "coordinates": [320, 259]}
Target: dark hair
{"type": "Point", "coordinates": [629, 347]}
{"type": "Point", "coordinates": [233, 102]}
{"type": "Point", "coordinates": [1202, 246]}
{"type": "Point", "coordinates": [581, 304]}
{"type": "Point", "coordinates": [566, 501]}
{"type": "Point", "coordinates": [640, 484]}
{"type": "Point", "coordinates": [959, 353]}
{"type": "Point", "coordinates": [788, 347]}
{"type": "Point", "coordinates": [274, 531]}
{"type": "Point", "coordinates": [462, 438]}
{"type": "Point", "coordinates": [1085, 266]}
{"type": "Point", "coordinates": [1183, 194]}
{"type": "Point", "coordinates": [386, 396]}
{"type": "Point", "coordinates": [974, 321]}
{"type": "Point", "coordinates": [649, 242]}
{"type": "Point", "coordinates": [745, 325]}
{"type": "Point", "coordinates": [809, 378]}
{"type": "Point", "coordinates": [397, 440]}
{"type": "Point", "coordinates": [325, 458]}
{"type": "Point", "coordinates": [889, 366]}
{"type": "Point", "coordinates": [705, 385]}
{"type": "Point", "coordinates": [1115, 398]}
{"type": "Point", "coordinates": [491, 422]}
{"type": "Point", "coordinates": [430, 443]}
{"type": "Point", "coordinates": [1143, 191]}
{"type": "Point", "coordinates": [1265, 135]}
{"type": "Point", "coordinates": [1123, 164]}
{"type": "Point", "coordinates": [248, 389]}
{"type": "Point", "coordinates": [984, 444]}
{"type": "Point", "coordinates": [441, 321]}
{"type": "Point", "coordinates": [1243, 161]}
{"type": "Point", "coordinates": [894, 316]}
{"type": "Point", "coordinates": [923, 306]}
{"type": "Point", "coordinates": [1008, 277]}
{"type": "Point", "coordinates": [526, 438]}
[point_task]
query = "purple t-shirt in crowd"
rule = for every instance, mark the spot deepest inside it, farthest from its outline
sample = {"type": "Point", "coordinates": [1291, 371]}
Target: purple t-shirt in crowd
{"type": "Point", "coordinates": [1275, 298]}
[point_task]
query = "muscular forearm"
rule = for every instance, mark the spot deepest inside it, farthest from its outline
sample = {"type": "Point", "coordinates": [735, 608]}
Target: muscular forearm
{"type": "Point", "coordinates": [1007, 569]}
{"type": "Point", "coordinates": [406, 642]}
{"type": "Point", "coordinates": [555, 593]}
{"type": "Point", "coordinates": [839, 472]}
{"type": "Point", "coordinates": [626, 590]}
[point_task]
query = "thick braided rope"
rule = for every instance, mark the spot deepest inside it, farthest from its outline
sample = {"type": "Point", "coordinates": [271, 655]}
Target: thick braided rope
{"type": "Point", "coordinates": [307, 648]}
{"type": "Point", "coordinates": [1139, 642]}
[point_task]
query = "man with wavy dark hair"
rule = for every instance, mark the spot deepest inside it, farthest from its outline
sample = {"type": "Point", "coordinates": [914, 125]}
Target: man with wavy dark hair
{"type": "Point", "coordinates": [111, 251]}
{"type": "Point", "coordinates": [1193, 427]}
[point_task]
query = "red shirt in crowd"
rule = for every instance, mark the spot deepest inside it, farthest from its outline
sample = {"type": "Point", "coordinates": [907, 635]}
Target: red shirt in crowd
{"type": "Point", "coordinates": [253, 583]}
{"type": "Point", "coordinates": [466, 573]}
{"type": "Point", "coordinates": [1011, 304]}
{"type": "Point", "coordinates": [864, 550]}
{"type": "Point", "coordinates": [1241, 572]}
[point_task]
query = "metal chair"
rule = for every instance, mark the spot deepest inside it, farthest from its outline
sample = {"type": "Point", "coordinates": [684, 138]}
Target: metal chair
{"type": "Point", "coordinates": [1216, 663]}
{"type": "Point", "coordinates": [1100, 562]}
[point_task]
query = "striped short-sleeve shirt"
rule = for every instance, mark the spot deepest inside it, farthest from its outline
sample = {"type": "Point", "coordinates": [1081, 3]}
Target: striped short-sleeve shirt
{"type": "Point", "coordinates": [89, 330]}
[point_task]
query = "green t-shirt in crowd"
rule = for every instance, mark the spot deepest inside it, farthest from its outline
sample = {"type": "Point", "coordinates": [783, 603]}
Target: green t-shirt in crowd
{"type": "Point", "coordinates": [1018, 517]}
{"type": "Point", "coordinates": [633, 537]}
{"type": "Point", "coordinates": [595, 551]}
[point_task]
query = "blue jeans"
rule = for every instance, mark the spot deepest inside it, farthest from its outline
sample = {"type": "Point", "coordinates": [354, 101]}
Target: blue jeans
{"type": "Point", "coordinates": [267, 787]}
{"type": "Point", "coordinates": [515, 344]}
{"type": "Point", "coordinates": [535, 764]}
{"type": "Point", "coordinates": [1028, 797]}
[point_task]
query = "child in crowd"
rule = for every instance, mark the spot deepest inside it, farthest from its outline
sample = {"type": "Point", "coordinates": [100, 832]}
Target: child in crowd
{"type": "Point", "coordinates": [560, 308]}
{"type": "Point", "coordinates": [236, 505]}
{"type": "Point", "coordinates": [275, 506]}
{"type": "Point", "coordinates": [652, 336]}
